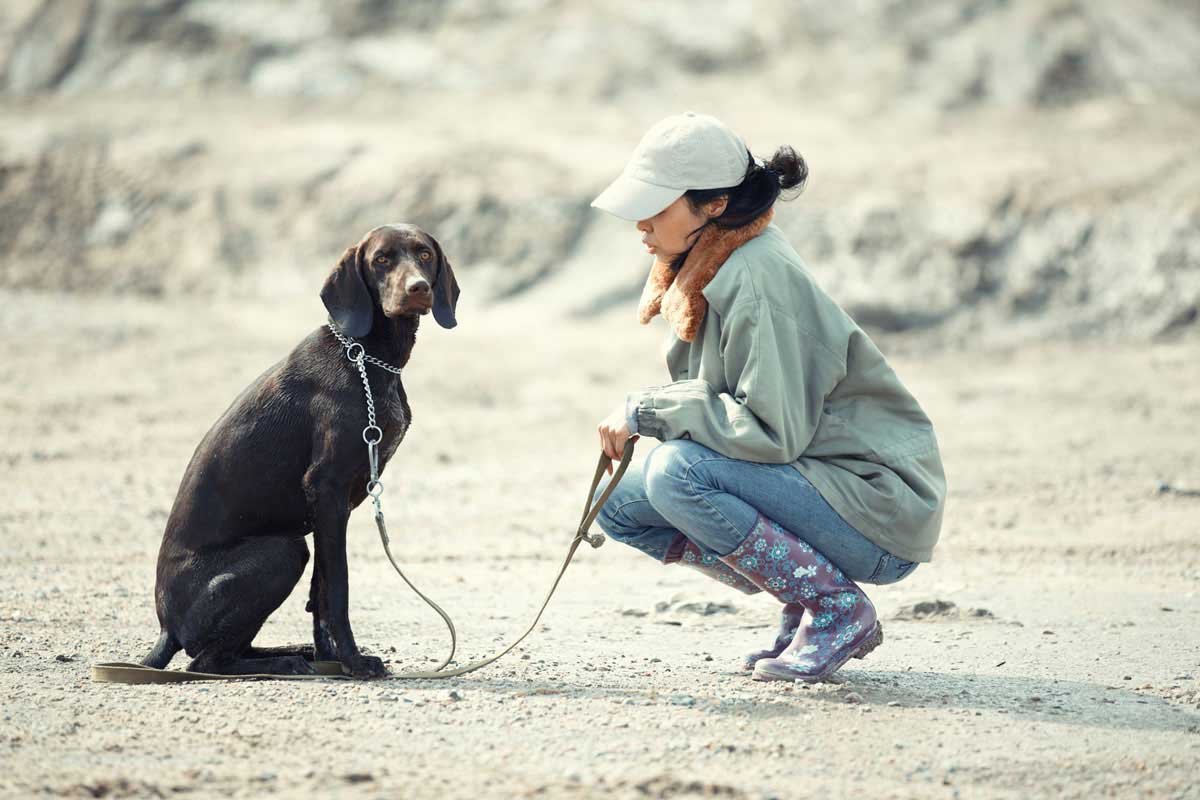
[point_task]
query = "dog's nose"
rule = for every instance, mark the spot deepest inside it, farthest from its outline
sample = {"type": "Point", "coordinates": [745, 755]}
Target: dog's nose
{"type": "Point", "coordinates": [418, 288]}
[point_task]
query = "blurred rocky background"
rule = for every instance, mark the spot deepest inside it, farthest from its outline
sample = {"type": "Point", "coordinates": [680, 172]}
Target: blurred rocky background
{"type": "Point", "coordinates": [980, 169]}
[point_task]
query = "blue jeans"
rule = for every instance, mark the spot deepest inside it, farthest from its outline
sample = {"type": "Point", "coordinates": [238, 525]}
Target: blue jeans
{"type": "Point", "coordinates": [684, 487]}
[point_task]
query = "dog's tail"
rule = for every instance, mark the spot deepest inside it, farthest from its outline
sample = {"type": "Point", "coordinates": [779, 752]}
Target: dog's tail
{"type": "Point", "coordinates": [163, 651]}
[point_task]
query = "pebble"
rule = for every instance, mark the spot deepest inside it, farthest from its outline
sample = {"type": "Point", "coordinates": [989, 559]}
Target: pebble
{"type": "Point", "coordinates": [853, 698]}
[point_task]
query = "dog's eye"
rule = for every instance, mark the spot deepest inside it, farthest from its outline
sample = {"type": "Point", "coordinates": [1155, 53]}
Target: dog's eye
{"type": "Point", "coordinates": [381, 259]}
{"type": "Point", "coordinates": [426, 255]}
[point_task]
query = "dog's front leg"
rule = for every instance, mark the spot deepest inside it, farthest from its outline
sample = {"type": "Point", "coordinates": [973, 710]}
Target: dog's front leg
{"type": "Point", "coordinates": [333, 591]}
{"type": "Point", "coordinates": [322, 643]}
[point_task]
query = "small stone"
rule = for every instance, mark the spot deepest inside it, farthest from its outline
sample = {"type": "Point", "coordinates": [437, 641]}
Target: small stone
{"type": "Point", "coordinates": [853, 698]}
{"type": "Point", "coordinates": [455, 695]}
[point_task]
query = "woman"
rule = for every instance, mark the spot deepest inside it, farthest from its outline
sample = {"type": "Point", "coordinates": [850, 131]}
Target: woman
{"type": "Point", "coordinates": [793, 461]}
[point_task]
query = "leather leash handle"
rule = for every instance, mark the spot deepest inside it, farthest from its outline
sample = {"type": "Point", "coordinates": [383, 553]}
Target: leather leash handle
{"type": "Point", "coordinates": [592, 510]}
{"type": "Point", "coordinates": [123, 672]}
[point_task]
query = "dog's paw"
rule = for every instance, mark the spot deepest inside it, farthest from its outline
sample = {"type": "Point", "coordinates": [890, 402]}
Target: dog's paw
{"type": "Point", "coordinates": [361, 666]}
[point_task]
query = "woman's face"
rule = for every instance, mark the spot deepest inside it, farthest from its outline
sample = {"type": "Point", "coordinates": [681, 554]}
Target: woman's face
{"type": "Point", "coordinates": [669, 232]}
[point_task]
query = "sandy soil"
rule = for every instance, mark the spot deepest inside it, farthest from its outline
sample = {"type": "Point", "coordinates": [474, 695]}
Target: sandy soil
{"type": "Point", "coordinates": [1070, 667]}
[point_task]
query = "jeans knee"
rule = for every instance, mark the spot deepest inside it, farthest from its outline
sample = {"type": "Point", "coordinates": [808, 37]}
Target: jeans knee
{"type": "Point", "coordinates": [669, 473]}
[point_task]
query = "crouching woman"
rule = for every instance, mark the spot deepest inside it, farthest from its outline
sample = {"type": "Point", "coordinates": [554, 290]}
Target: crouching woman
{"type": "Point", "coordinates": [793, 460]}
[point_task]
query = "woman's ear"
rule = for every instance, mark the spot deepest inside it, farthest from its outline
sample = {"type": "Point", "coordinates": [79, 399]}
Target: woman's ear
{"type": "Point", "coordinates": [445, 291]}
{"type": "Point", "coordinates": [716, 207]}
{"type": "Point", "coordinates": [346, 297]}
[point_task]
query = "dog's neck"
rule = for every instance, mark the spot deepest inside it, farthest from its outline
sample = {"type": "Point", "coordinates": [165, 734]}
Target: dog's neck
{"type": "Point", "coordinates": [391, 339]}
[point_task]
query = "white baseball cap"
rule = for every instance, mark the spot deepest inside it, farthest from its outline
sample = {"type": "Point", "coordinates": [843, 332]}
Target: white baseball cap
{"type": "Point", "coordinates": [682, 152]}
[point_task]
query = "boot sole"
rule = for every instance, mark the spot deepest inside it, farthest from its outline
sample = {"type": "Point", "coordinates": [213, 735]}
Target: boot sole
{"type": "Point", "coordinates": [864, 649]}
{"type": "Point", "coordinates": [872, 640]}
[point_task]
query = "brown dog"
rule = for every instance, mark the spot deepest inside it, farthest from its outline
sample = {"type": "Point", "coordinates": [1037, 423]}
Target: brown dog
{"type": "Point", "coordinates": [288, 459]}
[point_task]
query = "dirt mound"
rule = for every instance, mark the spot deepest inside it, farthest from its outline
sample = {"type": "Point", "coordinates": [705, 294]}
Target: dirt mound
{"type": "Point", "coordinates": [1004, 168]}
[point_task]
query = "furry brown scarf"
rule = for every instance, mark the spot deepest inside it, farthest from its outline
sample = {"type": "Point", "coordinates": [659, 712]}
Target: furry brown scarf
{"type": "Point", "coordinates": [680, 295]}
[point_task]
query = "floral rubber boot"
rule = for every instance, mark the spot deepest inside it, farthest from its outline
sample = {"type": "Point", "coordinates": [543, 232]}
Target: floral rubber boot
{"type": "Point", "coordinates": [842, 622]}
{"type": "Point", "coordinates": [684, 551]}
{"type": "Point", "coordinates": [789, 624]}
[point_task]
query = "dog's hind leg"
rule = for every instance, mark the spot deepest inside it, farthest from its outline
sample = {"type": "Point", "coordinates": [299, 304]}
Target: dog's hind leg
{"type": "Point", "coordinates": [306, 651]}
{"type": "Point", "coordinates": [248, 583]}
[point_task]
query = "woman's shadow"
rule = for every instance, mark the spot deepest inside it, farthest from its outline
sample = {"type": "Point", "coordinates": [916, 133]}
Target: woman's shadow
{"type": "Point", "coordinates": [1049, 700]}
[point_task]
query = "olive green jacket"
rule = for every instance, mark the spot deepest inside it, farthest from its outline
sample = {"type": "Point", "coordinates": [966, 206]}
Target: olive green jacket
{"type": "Point", "coordinates": [779, 373]}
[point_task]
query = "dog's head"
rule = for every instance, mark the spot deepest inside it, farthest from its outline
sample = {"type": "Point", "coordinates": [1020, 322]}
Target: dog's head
{"type": "Point", "coordinates": [395, 270]}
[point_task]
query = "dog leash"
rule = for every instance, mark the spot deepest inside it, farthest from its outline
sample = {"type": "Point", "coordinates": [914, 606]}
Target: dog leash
{"type": "Point", "coordinates": [123, 672]}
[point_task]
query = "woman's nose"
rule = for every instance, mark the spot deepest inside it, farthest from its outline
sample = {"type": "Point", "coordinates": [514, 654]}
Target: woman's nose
{"type": "Point", "coordinates": [644, 226]}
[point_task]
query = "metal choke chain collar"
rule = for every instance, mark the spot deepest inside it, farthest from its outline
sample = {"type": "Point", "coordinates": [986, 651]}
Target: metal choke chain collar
{"type": "Point", "coordinates": [372, 434]}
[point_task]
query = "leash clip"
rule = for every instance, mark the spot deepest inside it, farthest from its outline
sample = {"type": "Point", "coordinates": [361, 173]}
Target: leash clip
{"type": "Point", "coordinates": [594, 539]}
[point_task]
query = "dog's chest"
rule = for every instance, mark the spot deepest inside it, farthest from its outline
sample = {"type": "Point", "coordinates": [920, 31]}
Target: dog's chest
{"type": "Point", "coordinates": [395, 405]}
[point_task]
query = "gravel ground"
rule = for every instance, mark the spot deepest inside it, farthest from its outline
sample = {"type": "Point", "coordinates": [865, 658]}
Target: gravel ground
{"type": "Point", "coordinates": [1049, 650]}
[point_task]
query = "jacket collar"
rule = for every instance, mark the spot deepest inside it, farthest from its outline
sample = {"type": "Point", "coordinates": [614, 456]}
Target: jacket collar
{"type": "Point", "coordinates": [679, 296]}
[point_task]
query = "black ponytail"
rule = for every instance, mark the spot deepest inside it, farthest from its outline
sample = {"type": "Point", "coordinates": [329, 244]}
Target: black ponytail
{"type": "Point", "coordinates": [760, 188]}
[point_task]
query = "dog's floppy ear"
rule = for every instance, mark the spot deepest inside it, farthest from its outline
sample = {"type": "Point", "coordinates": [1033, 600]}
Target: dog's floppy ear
{"type": "Point", "coordinates": [445, 291]}
{"type": "Point", "coordinates": [346, 297]}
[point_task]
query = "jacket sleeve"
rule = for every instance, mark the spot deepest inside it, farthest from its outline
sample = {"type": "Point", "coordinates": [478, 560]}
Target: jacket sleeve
{"type": "Point", "coordinates": [779, 378]}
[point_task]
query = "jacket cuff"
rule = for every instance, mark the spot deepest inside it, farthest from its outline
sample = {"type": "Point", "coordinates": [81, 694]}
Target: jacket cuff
{"type": "Point", "coordinates": [648, 423]}
{"type": "Point", "coordinates": [631, 411]}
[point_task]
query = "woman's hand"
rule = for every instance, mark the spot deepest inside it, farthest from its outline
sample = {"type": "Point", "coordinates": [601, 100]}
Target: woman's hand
{"type": "Point", "coordinates": [614, 433]}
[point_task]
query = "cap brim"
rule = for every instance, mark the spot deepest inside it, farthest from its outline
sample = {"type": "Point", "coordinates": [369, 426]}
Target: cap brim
{"type": "Point", "coordinates": [635, 200]}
